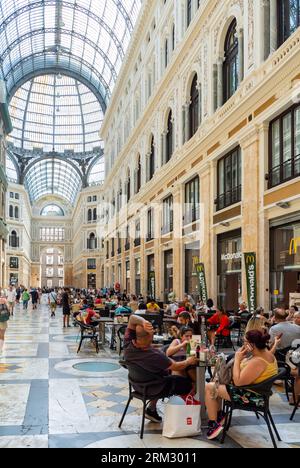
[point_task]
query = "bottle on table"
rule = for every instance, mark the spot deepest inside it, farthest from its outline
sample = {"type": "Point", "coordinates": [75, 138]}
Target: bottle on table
{"type": "Point", "coordinates": [188, 349]}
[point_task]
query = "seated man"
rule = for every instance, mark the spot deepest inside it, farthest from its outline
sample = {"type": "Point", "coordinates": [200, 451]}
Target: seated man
{"type": "Point", "coordinates": [218, 325]}
{"type": "Point", "coordinates": [152, 306]}
{"type": "Point", "coordinates": [138, 350]}
{"type": "Point", "coordinates": [287, 331]}
{"type": "Point", "coordinates": [185, 320]}
{"type": "Point", "coordinates": [87, 317]}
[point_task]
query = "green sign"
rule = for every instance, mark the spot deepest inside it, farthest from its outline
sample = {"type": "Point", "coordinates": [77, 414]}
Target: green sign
{"type": "Point", "coordinates": [251, 278]}
{"type": "Point", "coordinates": [152, 284]}
{"type": "Point", "coordinates": [200, 270]}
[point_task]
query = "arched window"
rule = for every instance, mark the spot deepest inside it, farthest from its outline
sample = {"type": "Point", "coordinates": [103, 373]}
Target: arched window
{"type": "Point", "coordinates": [11, 211]}
{"type": "Point", "coordinates": [289, 18]}
{"type": "Point", "coordinates": [128, 186]}
{"type": "Point", "coordinates": [152, 160]}
{"type": "Point", "coordinates": [169, 137]}
{"type": "Point", "coordinates": [14, 240]}
{"type": "Point", "coordinates": [89, 215]}
{"type": "Point", "coordinates": [139, 175]}
{"type": "Point", "coordinates": [16, 212]}
{"type": "Point", "coordinates": [230, 68]}
{"type": "Point", "coordinates": [166, 52]}
{"type": "Point", "coordinates": [92, 242]}
{"type": "Point", "coordinates": [188, 12]}
{"type": "Point", "coordinates": [194, 108]}
{"type": "Point", "coordinates": [173, 37]}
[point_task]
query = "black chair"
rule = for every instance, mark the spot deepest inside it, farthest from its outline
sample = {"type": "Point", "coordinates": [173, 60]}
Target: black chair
{"type": "Point", "coordinates": [289, 381]}
{"type": "Point", "coordinates": [297, 403]}
{"type": "Point", "coordinates": [224, 341]}
{"type": "Point", "coordinates": [88, 332]}
{"type": "Point", "coordinates": [121, 334]}
{"type": "Point", "coordinates": [137, 376]}
{"type": "Point", "coordinates": [264, 390]}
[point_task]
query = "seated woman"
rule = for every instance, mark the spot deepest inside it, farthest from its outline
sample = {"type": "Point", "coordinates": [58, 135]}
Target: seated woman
{"type": "Point", "coordinates": [185, 320]}
{"type": "Point", "coordinates": [218, 325]}
{"type": "Point", "coordinates": [177, 351]}
{"type": "Point", "coordinates": [261, 366]}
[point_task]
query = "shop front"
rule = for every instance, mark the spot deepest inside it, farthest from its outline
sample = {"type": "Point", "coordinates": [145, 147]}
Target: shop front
{"type": "Point", "coordinates": [151, 276]}
{"type": "Point", "coordinates": [168, 273]}
{"type": "Point", "coordinates": [138, 276]}
{"type": "Point", "coordinates": [128, 276]}
{"type": "Point", "coordinates": [230, 270]}
{"type": "Point", "coordinates": [285, 262]}
{"type": "Point", "coordinates": [192, 258]}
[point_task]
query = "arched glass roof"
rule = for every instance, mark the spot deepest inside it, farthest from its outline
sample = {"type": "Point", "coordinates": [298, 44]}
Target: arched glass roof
{"type": "Point", "coordinates": [11, 170]}
{"type": "Point", "coordinates": [55, 113]}
{"type": "Point", "coordinates": [53, 176]}
{"type": "Point", "coordinates": [83, 38]}
{"type": "Point", "coordinates": [52, 210]}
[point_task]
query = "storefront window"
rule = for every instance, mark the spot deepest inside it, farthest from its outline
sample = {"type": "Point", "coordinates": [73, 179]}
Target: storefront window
{"type": "Point", "coordinates": [230, 270]}
{"type": "Point", "coordinates": [128, 276]}
{"type": "Point", "coordinates": [192, 254]}
{"type": "Point", "coordinates": [168, 273]}
{"type": "Point", "coordinates": [138, 276]}
{"type": "Point", "coordinates": [151, 276]}
{"type": "Point", "coordinates": [285, 264]}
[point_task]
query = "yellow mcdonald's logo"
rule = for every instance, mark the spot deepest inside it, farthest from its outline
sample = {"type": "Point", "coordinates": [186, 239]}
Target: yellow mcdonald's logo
{"type": "Point", "coordinates": [294, 245]}
{"type": "Point", "coordinates": [250, 259]}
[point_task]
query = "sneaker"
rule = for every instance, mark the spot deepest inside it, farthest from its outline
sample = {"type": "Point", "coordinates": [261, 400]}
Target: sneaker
{"type": "Point", "coordinates": [221, 419]}
{"type": "Point", "coordinates": [153, 416]}
{"type": "Point", "coordinates": [214, 431]}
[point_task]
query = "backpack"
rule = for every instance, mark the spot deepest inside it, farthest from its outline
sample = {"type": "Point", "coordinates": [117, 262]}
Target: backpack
{"type": "Point", "coordinates": [4, 313]}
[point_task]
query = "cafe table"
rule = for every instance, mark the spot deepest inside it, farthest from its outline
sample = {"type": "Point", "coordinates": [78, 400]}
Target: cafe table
{"type": "Point", "coordinates": [102, 322]}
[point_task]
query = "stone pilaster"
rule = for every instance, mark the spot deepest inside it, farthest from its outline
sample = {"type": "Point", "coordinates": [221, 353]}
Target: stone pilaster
{"type": "Point", "coordinates": [250, 202]}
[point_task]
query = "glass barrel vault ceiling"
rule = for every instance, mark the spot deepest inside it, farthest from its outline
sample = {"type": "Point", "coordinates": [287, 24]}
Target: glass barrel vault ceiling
{"type": "Point", "coordinates": [53, 176]}
{"type": "Point", "coordinates": [78, 45]}
{"type": "Point", "coordinates": [87, 38]}
{"type": "Point", "coordinates": [55, 114]}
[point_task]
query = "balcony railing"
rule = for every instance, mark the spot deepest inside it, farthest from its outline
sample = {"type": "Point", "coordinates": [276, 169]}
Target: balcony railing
{"type": "Point", "coordinates": [150, 237]}
{"type": "Point", "coordinates": [229, 198]}
{"type": "Point", "coordinates": [137, 242]}
{"type": "Point", "coordinates": [167, 228]}
{"type": "Point", "coordinates": [284, 172]}
{"type": "Point", "coordinates": [192, 215]}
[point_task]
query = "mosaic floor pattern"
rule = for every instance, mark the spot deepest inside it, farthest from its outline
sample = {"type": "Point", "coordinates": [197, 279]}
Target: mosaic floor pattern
{"type": "Point", "coordinates": [46, 402]}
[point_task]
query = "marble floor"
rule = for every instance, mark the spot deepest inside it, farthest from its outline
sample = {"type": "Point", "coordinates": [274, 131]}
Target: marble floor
{"type": "Point", "coordinates": [46, 402]}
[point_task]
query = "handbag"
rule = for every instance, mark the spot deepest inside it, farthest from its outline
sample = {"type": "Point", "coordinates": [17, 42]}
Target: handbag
{"type": "Point", "coordinates": [182, 418]}
{"type": "Point", "coordinates": [4, 314]}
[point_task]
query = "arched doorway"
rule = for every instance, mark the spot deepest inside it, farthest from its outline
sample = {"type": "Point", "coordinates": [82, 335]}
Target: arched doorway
{"type": "Point", "coordinates": [52, 272]}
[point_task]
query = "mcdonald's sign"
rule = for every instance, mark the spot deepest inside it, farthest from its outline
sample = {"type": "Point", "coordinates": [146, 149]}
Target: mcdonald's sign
{"type": "Point", "coordinates": [250, 259]}
{"type": "Point", "coordinates": [200, 270]}
{"type": "Point", "coordinates": [294, 244]}
{"type": "Point", "coordinates": [251, 277]}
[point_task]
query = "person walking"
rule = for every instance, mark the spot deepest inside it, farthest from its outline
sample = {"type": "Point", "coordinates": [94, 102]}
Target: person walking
{"type": "Point", "coordinates": [65, 302]}
{"type": "Point", "coordinates": [52, 300]}
{"type": "Point", "coordinates": [11, 299]}
{"type": "Point", "coordinates": [25, 299]}
{"type": "Point", "coordinates": [34, 298]}
{"type": "Point", "coordinates": [4, 318]}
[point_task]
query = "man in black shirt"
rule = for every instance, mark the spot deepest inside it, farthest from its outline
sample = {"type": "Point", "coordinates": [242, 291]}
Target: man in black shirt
{"type": "Point", "coordinates": [65, 302]}
{"type": "Point", "coordinates": [138, 350]}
